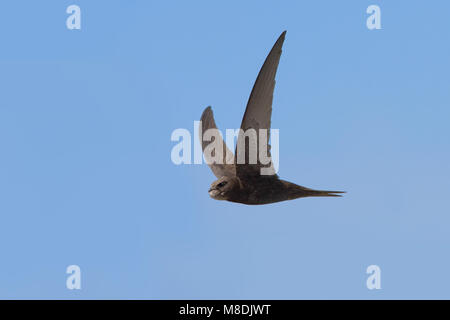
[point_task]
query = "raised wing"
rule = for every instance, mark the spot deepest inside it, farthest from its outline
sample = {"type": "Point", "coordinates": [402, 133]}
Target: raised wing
{"type": "Point", "coordinates": [257, 116]}
{"type": "Point", "coordinates": [223, 165]}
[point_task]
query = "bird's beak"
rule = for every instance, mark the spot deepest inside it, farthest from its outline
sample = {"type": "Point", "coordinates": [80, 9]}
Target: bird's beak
{"type": "Point", "coordinates": [213, 192]}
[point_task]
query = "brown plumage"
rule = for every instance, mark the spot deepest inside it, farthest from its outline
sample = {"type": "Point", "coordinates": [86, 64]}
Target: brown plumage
{"type": "Point", "coordinates": [243, 182]}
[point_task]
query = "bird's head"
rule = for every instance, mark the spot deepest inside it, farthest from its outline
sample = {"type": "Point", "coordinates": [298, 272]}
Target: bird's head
{"type": "Point", "coordinates": [221, 188]}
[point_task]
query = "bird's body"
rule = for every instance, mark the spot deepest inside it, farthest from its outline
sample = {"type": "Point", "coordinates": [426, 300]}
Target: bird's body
{"type": "Point", "coordinates": [261, 190]}
{"type": "Point", "coordinates": [243, 182]}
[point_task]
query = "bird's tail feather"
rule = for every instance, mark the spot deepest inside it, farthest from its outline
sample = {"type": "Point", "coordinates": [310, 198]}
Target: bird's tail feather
{"type": "Point", "coordinates": [296, 191]}
{"type": "Point", "coordinates": [323, 193]}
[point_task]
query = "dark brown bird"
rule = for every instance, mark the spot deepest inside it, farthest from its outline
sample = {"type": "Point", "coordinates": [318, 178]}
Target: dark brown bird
{"type": "Point", "coordinates": [243, 182]}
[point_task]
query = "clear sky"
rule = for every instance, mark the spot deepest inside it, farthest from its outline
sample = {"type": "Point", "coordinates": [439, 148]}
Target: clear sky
{"type": "Point", "coordinates": [85, 171]}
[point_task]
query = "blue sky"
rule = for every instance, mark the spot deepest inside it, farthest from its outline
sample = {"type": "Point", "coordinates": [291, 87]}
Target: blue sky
{"type": "Point", "coordinates": [86, 176]}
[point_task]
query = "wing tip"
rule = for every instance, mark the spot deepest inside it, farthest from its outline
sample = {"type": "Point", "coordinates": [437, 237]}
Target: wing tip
{"type": "Point", "coordinates": [206, 112]}
{"type": "Point", "coordinates": [279, 43]}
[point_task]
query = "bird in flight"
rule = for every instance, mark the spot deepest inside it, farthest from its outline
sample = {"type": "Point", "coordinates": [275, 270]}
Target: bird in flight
{"type": "Point", "coordinates": [242, 181]}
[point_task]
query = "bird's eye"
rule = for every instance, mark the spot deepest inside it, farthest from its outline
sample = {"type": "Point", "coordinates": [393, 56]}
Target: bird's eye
{"type": "Point", "coordinates": [220, 185]}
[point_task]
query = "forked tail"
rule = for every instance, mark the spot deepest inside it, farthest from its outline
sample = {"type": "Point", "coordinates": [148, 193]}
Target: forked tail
{"type": "Point", "coordinates": [323, 193]}
{"type": "Point", "coordinates": [296, 191]}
